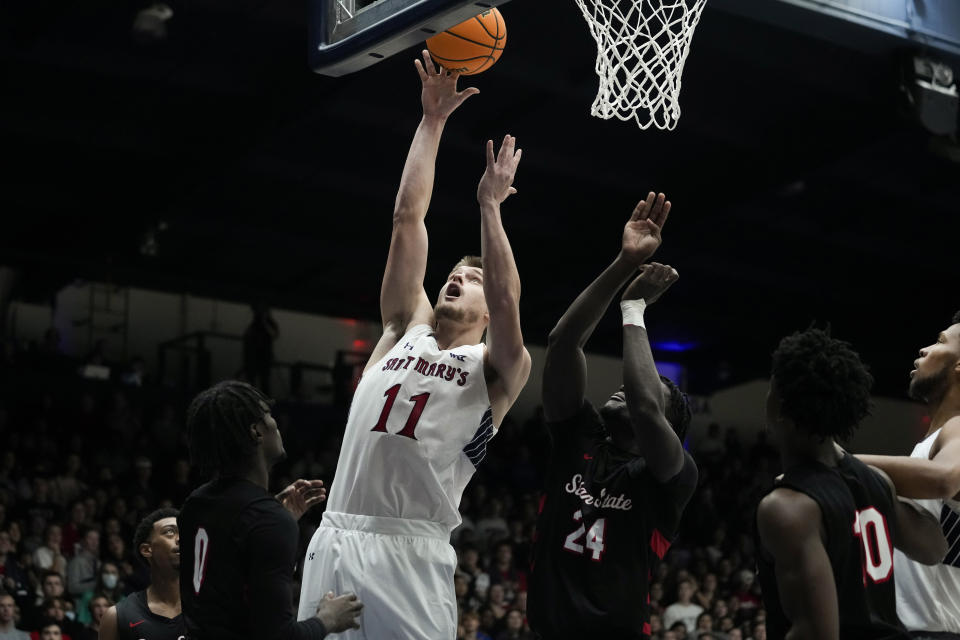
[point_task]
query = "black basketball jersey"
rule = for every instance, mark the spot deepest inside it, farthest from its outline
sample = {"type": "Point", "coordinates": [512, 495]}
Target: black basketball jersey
{"type": "Point", "coordinates": [604, 522]}
{"type": "Point", "coordinates": [135, 621]}
{"type": "Point", "coordinates": [858, 516]}
{"type": "Point", "coordinates": [238, 546]}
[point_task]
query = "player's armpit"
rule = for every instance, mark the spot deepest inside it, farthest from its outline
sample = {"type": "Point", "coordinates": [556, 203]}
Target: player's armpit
{"type": "Point", "coordinates": [108, 624]}
{"type": "Point", "coordinates": [789, 524]}
{"type": "Point", "coordinates": [916, 531]}
{"type": "Point", "coordinates": [508, 378]}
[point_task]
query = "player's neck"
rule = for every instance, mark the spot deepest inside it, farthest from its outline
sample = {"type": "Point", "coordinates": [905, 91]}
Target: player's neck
{"type": "Point", "coordinates": [806, 450]}
{"type": "Point", "coordinates": [944, 409]}
{"type": "Point", "coordinates": [450, 334]}
{"type": "Point", "coordinates": [259, 473]}
{"type": "Point", "coordinates": [164, 590]}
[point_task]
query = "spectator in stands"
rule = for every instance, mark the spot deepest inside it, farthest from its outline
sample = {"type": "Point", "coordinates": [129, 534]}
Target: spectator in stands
{"type": "Point", "coordinates": [52, 631]}
{"type": "Point", "coordinates": [8, 630]}
{"type": "Point", "coordinates": [514, 627]}
{"type": "Point", "coordinates": [497, 602]}
{"type": "Point", "coordinates": [477, 578]}
{"type": "Point", "coordinates": [14, 578]}
{"type": "Point", "coordinates": [704, 622]}
{"type": "Point", "coordinates": [504, 572]}
{"type": "Point", "coordinates": [70, 534]}
{"type": "Point", "coordinates": [48, 555]}
{"type": "Point", "coordinates": [683, 610]}
{"type": "Point", "coordinates": [471, 627]}
{"type": "Point", "coordinates": [108, 585]}
{"type": "Point", "coordinates": [707, 592]}
{"type": "Point", "coordinates": [97, 606]}
{"type": "Point", "coordinates": [84, 565]}
{"type": "Point", "coordinates": [55, 610]}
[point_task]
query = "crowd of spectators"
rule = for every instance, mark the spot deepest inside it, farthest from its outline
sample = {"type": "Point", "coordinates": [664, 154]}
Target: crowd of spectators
{"type": "Point", "coordinates": [81, 461]}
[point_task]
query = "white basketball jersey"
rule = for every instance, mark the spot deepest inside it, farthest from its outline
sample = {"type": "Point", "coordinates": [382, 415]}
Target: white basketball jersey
{"type": "Point", "coordinates": [928, 597]}
{"type": "Point", "coordinates": [418, 427]}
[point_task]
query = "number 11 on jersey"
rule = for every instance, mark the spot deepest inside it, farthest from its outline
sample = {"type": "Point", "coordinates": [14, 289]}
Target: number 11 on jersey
{"type": "Point", "coordinates": [419, 402]}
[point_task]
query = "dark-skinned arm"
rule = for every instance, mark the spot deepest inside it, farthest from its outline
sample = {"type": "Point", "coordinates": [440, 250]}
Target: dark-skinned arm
{"type": "Point", "coordinates": [643, 391]}
{"type": "Point", "coordinates": [565, 370]}
{"type": "Point", "coordinates": [789, 523]}
{"type": "Point", "coordinates": [917, 532]}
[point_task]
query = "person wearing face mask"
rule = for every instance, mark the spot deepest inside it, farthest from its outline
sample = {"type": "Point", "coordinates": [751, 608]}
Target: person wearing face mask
{"type": "Point", "coordinates": [154, 613]}
{"type": "Point", "coordinates": [109, 585]}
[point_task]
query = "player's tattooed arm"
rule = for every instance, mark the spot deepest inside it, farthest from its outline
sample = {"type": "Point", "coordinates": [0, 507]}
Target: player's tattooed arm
{"type": "Point", "coordinates": [938, 477]}
{"type": "Point", "coordinates": [403, 301]}
{"type": "Point", "coordinates": [501, 281]}
{"type": "Point", "coordinates": [642, 388]}
{"type": "Point", "coordinates": [565, 372]}
{"type": "Point", "coordinates": [789, 523]}
{"type": "Point", "coordinates": [916, 531]}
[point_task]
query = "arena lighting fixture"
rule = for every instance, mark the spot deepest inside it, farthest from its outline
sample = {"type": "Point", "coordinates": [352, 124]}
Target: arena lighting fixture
{"type": "Point", "coordinates": [931, 90]}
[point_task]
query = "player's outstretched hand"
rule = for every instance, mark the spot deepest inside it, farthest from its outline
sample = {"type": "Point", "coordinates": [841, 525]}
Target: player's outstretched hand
{"type": "Point", "coordinates": [641, 234]}
{"type": "Point", "coordinates": [654, 279]}
{"type": "Point", "coordinates": [339, 613]}
{"type": "Point", "coordinates": [440, 96]}
{"type": "Point", "coordinates": [298, 497]}
{"type": "Point", "coordinates": [496, 183]}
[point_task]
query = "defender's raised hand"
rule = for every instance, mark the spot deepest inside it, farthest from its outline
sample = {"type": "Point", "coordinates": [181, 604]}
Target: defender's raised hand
{"type": "Point", "coordinates": [440, 96]}
{"type": "Point", "coordinates": [641, 234]}
{"type": "Point", "coordinates": [654, 279]}
{"type": "Point", "coordinates": [495, 185]}
{"type": "Point", "coordinates": [300, 496]}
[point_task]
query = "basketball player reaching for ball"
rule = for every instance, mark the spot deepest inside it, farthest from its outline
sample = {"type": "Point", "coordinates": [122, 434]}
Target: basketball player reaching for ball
{"type": "Point", "coordinates": [827, 529]}
{"type": "Point", "coordinates": [430, 398]}
{"type": "Point", "coordinates": [618, 479]}
{"type": "Point", "coordinates": [928, 597]}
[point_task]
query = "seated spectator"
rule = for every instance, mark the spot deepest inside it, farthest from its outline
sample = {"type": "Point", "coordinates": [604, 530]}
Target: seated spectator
{"type": "Point", "coordinates": [679, 630]}
{"type": "Point", "coordinates": [84, 565]}
{"type": "Point", "coordinates": [683, 610]}
{"type": "Point", "coordinates": [503, 571]}
{"type": "Point", "coordinates": [469, 566]}
{"type": "Point", "coordinates": [497, 602]}
{"type": "Point", "coordinates": [50, 630]}
{"type": "Point", "coordinates": [735, 634]}
{"type": "Point", "coordinates": [72, 531]}
{"type": "Point", "coordinates": [97, 606]}
{"type": "Point", "coordinates": [704, 622]}
{"type": "Point", "coordinates": [14, 578]}
{"type": "Point", "coordinates": [707, 592]}
{"type": "Point", "coordinates": [8, 630]}
{"type": "Point", "coordinates": [54, 610]}
{"type": "Point", "coordinates": [48, 555]}
{"type": "Point", "coordinates": [471, 627]}
{"type": "Point", "coordinates": [515, 627]}
{"type": "Point", "coordinates": [118, 555]}
{"type": "Point", "coordinates": [108, 586]}
{"type": "Point", "coordinates": [760, 631]}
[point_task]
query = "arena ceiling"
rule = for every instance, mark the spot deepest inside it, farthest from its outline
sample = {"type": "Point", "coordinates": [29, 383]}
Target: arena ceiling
{"type": "Point", "coordinates": [218, 164]}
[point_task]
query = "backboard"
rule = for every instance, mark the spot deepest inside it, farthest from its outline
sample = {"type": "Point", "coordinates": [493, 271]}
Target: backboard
{"type": "Point", "coordinates": [350, 35]}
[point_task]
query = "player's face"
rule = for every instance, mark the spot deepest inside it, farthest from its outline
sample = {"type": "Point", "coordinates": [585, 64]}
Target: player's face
{"type": "Point", "coordinates": [272, 441]}
{"type": "Point", "coordinates": [461, 298]}
{"type": "Point", "coordinates": [937, 368]}
{"type": "Point", "coordinates": [165, 543]}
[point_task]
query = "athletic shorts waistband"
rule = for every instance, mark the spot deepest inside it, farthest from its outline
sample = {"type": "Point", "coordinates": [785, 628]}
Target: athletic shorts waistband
{"type": "Point", "coordinates": [385, 526]}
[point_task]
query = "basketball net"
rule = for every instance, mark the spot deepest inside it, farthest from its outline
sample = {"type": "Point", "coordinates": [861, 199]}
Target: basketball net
{"type": "Point", "coordinates": [641, 48]}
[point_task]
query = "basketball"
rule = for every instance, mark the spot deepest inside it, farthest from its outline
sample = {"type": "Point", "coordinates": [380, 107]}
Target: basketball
{"type": "Point", "coordinates": [472, 46]}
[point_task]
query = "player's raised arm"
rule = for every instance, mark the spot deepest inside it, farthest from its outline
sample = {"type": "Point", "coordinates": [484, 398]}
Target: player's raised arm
{"type": "Point", "coordinates": [565, 371]}
{"type": "Point", "coordinates": [642, 388]}
{"type": "Point", "coordinates": [402, 299]}
{"type": "Point", "coordinates": [501, 283]}
{"type": "Point", "coordinates": [789, 524]}
{"type": "Point", "coordinates": [916, 531]}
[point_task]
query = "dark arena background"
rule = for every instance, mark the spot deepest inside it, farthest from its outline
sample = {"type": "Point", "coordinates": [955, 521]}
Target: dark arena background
{"type": "Point", "coordinates": [160, 182]}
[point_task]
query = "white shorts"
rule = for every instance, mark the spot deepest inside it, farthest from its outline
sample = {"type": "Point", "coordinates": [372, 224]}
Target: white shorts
{"type": "Point", "coordinates": [402, 571]}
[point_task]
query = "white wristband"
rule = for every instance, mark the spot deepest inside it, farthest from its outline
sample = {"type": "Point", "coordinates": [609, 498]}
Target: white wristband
{"type": "Point", "coordinates": [632, 311]}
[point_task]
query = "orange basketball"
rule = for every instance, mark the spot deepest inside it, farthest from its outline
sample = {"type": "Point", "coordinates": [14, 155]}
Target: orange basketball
{"type": "Point", "coordinates": [472, 46]}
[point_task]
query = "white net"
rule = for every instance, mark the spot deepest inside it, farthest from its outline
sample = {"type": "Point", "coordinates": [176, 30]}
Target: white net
{"type": "Point", "coordinates": [641, 48]}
